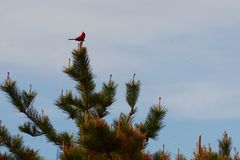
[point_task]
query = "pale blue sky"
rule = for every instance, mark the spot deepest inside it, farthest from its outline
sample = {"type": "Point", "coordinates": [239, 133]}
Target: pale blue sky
{"type": "Point", "coordinates": [185, 51]}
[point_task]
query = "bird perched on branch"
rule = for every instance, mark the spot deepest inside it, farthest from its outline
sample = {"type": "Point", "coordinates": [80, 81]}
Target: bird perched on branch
{"type": "Point", "coordinates": [80, 39]}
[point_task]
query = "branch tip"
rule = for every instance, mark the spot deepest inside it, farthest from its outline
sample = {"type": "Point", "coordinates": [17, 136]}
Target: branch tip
{"type": "Point", "coordinates": [69, 62]}
{"type": "Point", "coordinates": [110, 78]}
{"type": "Point", "coordinates": [42, 116]}
{"type": "Point", "coordinates": [159, 101]}
{"type": "Point", "coordinates": [30, 88]}
{"type": "Point", "coordinates": [134, 77]}
{"type": "Point", "coordinates": [8, 76]}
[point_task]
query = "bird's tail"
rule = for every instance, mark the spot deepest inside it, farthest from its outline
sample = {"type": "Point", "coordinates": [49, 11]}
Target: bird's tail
{"type": "Point", "coordinates": [71, 39]}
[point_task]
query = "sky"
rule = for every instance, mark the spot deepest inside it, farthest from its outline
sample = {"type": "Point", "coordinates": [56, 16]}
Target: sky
{"type": "Point", "coordinates": [185, 51]}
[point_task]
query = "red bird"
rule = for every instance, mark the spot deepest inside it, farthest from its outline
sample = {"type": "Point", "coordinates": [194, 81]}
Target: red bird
{"type": "Point", "coordinates": [79, 38]}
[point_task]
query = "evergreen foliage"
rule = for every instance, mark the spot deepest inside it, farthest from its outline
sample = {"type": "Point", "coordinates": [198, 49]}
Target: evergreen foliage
{"type": "Point", "coordinates": [16, 147]}
{"type": "Point", "coordinates": [96, 138]}
{"type": "Point", "coordinates": [161, 155]}
{"type": "Point", "coordinates": [225, 145]}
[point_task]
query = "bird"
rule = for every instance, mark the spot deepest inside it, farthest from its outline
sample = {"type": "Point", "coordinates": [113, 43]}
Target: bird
{"type": "Point", "coordinates": [79, 38]}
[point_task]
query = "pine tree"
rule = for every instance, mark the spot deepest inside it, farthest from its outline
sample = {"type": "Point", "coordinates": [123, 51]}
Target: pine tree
{"type": "Point", "coordinates": [96, 139]}
{"type": "Point", "coordinates": [225, 146]}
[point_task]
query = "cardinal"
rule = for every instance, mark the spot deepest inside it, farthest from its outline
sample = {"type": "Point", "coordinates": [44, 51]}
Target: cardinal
{"type": "Point", "coordinates": [79, 39]}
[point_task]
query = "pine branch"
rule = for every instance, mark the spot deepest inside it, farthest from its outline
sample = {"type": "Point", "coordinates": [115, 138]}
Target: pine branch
{"type": "Point", "coordinates": [72, 153]}
{"type": "Point", "coordinates": [16, 147]}
{"type": "Point", "coordinates": [161, 155]}
{"type": "Point", "coordinates": [153, 122]}
{"type": "Point", "coordinates": [66, 139]}
{"type": "Point", "coordinates": [97, 136]}
{"type": "Point", "coordinates": [225, 145]}
{"type": "Point", "coordinates": [132, 94]}
{"type": "Point", "coordinates": [20, 100]}
{"type": "Point", "coordinates": [81, 72]}
{"type": "Point", "coordinates": [31, 129]}
{"type": "Point", "coordinates": [23, 102]}
{"type": "Point", "coordinates": [108, 93]}
{"type": "Point", "coordinates": [73, 106]}
{"type": "Point", "coordinates": [98, 102]}
{"type": "Point", "coordinates": [102, 100]}
{"type": "Point", "coordinates": [131, 138]}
